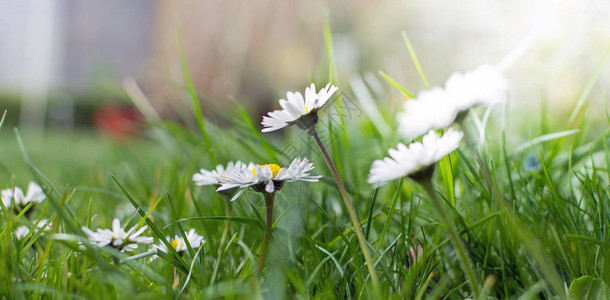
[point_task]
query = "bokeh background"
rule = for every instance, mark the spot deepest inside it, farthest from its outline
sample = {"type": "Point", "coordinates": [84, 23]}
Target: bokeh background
{"type": "Point", "coordinates": [63, 62]}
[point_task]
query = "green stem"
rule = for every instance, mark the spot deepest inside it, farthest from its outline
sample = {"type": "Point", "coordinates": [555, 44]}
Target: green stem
{"type": "Point", "coordinates": [455, 238]}
{"type": "Point", "coordinates": [225, 235]}
{"type": "Point", "coordinates": [351, 211]}
{"type": "Point", "coordinates": [267, 236]}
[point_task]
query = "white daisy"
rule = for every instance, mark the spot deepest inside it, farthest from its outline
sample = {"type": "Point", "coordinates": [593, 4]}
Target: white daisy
{"type": "Point", "coordinates": [268, 178]}
{"type": "Point", "coordinates": [215, 177]}
{"type": "Point", "coordinates": [194, 239]}
{"type": "Point", "coordinates": [432, 109]}
{"type": "Point", "coordinates": [414, 161]}
{"type": "Point", "coordinates": [23, 231]}
{"type": "Point", "coordinates": [15, 196]}
{"type": "Point", "coordinates": [299, 110]}
{"type": "Point", "coordinates": [117, 237]}
{"type": "Point", "coordinates": [484, 85]}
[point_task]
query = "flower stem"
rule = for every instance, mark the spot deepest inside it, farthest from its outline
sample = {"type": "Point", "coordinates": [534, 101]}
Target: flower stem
{"type": "Point", "coordinates": [350, 208]}
{"type": "Point", "coordinates": [455, 238]}
{"type": "Point", "coordinates": [267, 236]}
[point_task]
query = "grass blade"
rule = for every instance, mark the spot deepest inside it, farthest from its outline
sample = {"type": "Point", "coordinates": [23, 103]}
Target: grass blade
{"type": "Point", "coordinates": [414, 58]}
{"type": "Point", "coordinates": [396, 84]}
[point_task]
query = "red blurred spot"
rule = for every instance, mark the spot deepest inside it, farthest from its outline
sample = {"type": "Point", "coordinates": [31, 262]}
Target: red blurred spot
{"type": "Point", "coordinates": [118, 121]}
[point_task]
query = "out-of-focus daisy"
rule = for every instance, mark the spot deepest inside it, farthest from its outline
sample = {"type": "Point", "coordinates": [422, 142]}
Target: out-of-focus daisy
{"type": "Point", "coordinates": [117, 237]}
{"type": "Point", "coordinates": [268, 178]}
{"type": "Point", "coordinates": [194, 239]}
{"type": "Point", "coordinates": [15, 196]}
{"type": "Point", "coordinates": [432, 109]}
{"type": "Point", "coordinates": [438, 107]}
{"type": "Point", "coordinates": [299, 110]}
{"type": "Point", "coordinates": [484, 85]}
{"type": "Point", "coordinates": [416, 160]}
{"type": "Point", "coordinates": [215, 176]}
{"type": "Point", "coordinates": [23, 231]}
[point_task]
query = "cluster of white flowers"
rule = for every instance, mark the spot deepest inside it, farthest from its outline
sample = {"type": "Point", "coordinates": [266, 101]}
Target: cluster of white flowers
{"type": "Point", "coordinates": [14, 197]}
{"type": "Point", "coordinates": [117, 237]}
{"type": "Point", "coordinates": [23, 231]}
{"type": "Point", "coordinates": [438, 107]}
{"type": "Point", "coordinates": [267, 178]}
{"type": "Point", "coordinates": [127, 241]}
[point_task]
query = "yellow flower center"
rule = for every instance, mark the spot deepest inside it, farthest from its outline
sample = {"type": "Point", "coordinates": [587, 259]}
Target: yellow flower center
{"type": "Point", "coordinates": [306, 109]}
{"type": "Point", "coordinates": [274, 169]}
{"type": "Point", "coordinates": [174, 244]}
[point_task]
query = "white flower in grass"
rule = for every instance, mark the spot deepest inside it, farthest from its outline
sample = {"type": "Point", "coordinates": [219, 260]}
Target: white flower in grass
{"type": "Point", "coordinates": [117, 237]}
{"type": "Point", "coordinates": [484, 85]}
{"type": "Point", "coordinates": [215, 176]}
{"type": "Point", "coordinates": [268, 178]}
{"type": "Point", "coordinates": [15, 196]}
{"type": "Point", "coordinates": [194, 239]}
{"type": "Point", "coordinates": [23, 231]}
{"type": "Point", "coordinates": [417, 160]}
{"type": "Point", "coordinates": [299, 110]}
{"type": "Point", "coordinates": [432, 109]}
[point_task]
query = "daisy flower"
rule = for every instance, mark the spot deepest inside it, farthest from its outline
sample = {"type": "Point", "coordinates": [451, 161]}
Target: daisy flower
{"type": "Point", "coordinates": [484, 85]}
{"type": "Point", "coordinates": [438, 107]}
{"type": "Point", "coordinates": [15, 196]}
{"type": "Point", "coordinates": [268, 178]}
{"type": "Point", "coordinates": [299, 110]}
{"type": "Point", "coordinates": [215, 176]}
{"type": "Point", "coordinates": [194, 239]}
{"type": "Point", "coordinates": [417, 160]}
{"type": "Point", "coordinates": [117, 237]}
{"type": "Point", "coordinates": [23, 231]}
{"type": "Point", "coordinates": [432, 109]}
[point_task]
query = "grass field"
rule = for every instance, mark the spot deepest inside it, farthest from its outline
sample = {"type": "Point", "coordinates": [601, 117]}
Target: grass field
{"type": "Point", "coordinates": [529, 200]}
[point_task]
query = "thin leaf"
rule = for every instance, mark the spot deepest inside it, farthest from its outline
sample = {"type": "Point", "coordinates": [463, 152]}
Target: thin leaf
{"type": "Point", "coordinates": [396, 84]}
{"type": "Point", "coordinates": [420, 71]}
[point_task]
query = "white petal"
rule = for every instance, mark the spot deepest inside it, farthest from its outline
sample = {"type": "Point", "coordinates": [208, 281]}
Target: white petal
{"type": "Point", "coordinates": [432, 109]}
{"type": "Point", "coordinates": [34, 194]}
{"type": "Point", "coordinates": [269, 188]}
{"type": "Point", "coordinates": [241, 191]}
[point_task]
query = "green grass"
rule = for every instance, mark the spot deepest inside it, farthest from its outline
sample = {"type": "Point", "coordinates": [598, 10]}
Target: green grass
{"type": "Point", "coordinates": [534, 217]}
